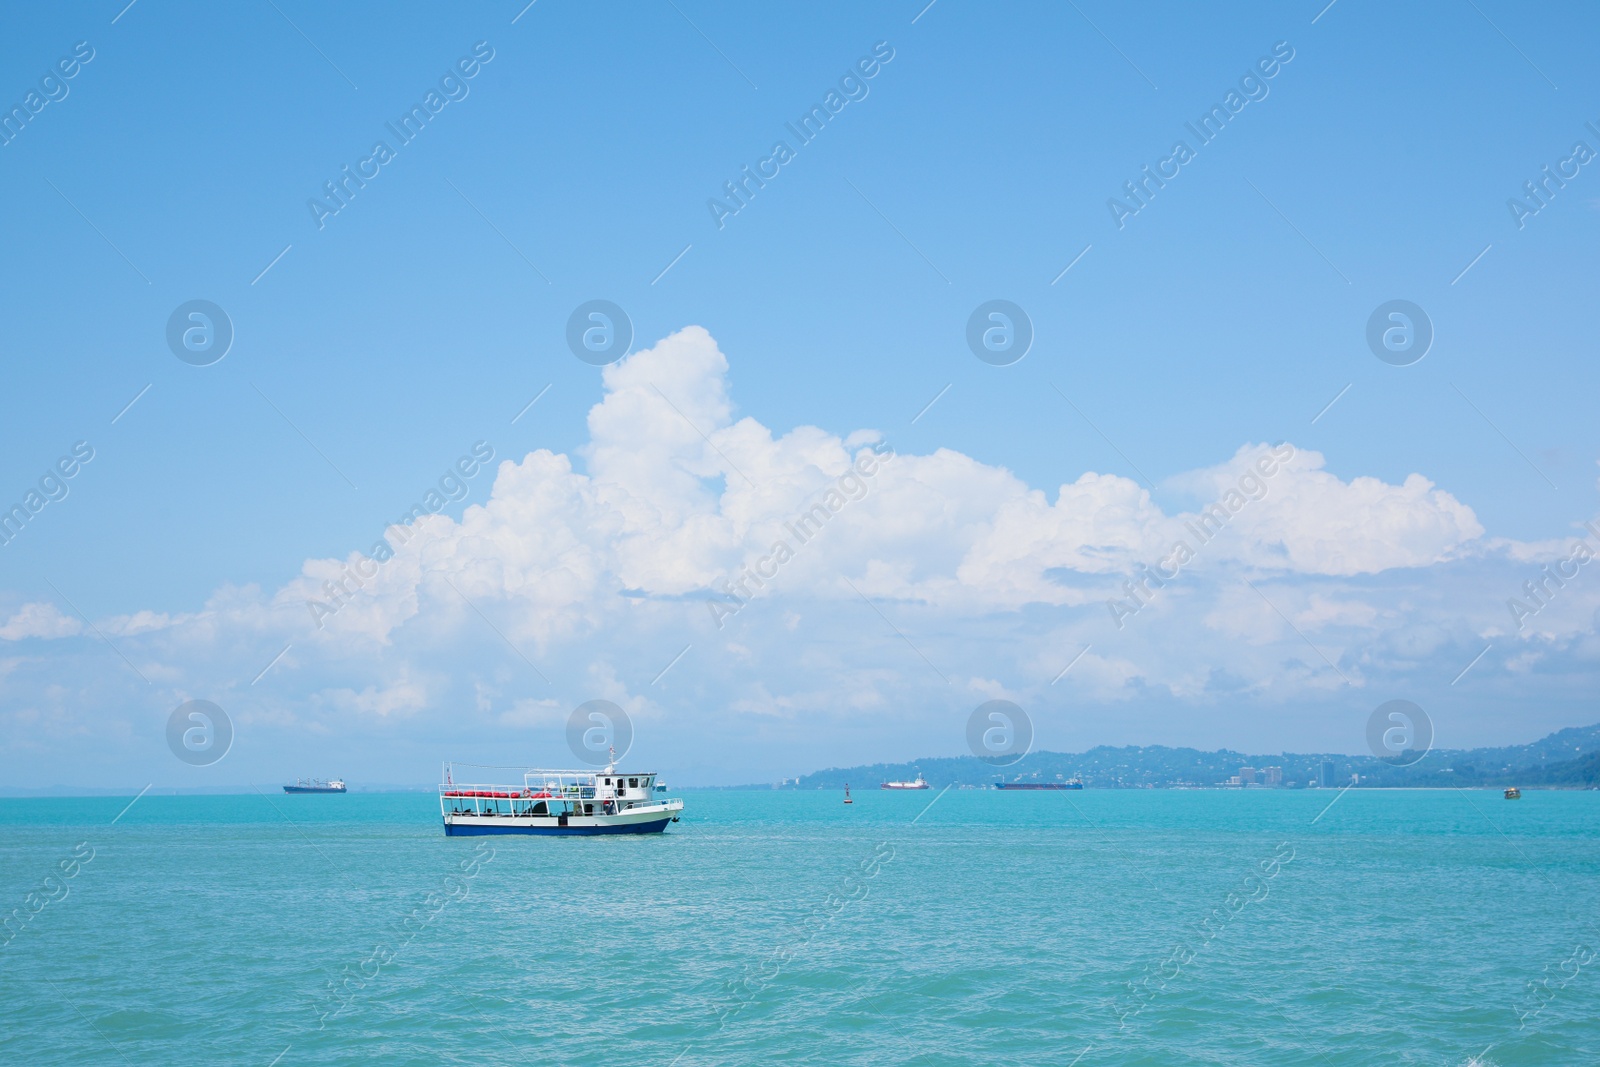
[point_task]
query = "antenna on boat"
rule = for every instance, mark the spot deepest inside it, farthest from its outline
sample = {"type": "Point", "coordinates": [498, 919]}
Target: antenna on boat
{"type": "Point", "coordinates": [611, 765]}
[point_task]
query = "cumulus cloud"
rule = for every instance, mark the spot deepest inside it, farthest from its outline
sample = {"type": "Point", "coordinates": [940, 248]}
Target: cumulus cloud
{"type": "Point", "coordinates": [678, 499]}
{"type": "Point", "coordinates": [901, 575]}
{"type": "Point", "coordinates": [1310, 522]}
{"type": "Point", "coordinates": [39, 620]}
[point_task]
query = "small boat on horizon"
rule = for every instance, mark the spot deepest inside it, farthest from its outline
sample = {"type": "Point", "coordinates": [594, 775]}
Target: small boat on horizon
{"type": "Point", "coordinates": [317, 785]}
{"type": "Point", "coordinates": [1513, 793]}
{"type": "Point", "coordinates": [919, 783]}
{"type": "Point", "coordinates": [1070, 783]}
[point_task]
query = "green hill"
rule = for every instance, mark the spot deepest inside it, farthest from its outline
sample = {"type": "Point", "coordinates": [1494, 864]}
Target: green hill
{"type": "Point", "coordinates": [1569, 758]}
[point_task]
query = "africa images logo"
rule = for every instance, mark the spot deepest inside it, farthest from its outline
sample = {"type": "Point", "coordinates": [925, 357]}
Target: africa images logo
{"type": "Point", "coordinates": [1211, 521]}
{"type": "Point", "coordinates": [53, 88]}
{"type": "Point", "coordinates": [52, 486]}
{"type": "Point", "coordinates": [354, 575]}
{"type": "Point", "coordinates": [1207, 128]}
{"type": "Point", "coordinates": [453, 87]}
{"type": "Point", "coordinates": [854, 484]}
{"type": "Point", "coordinates": [808, 127]}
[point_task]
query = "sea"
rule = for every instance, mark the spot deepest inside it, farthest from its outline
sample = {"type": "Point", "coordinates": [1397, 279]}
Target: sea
{"type": "Point", "coordinates": [1438, 927]}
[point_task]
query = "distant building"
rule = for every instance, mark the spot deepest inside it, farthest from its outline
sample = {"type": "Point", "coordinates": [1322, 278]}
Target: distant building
{"type": "Point", "coordinates": [1247, 775]}
{"type": "Point", "coordinates": [1273, 775]}
{"type": "Point", "coordinates": [1326, 780]}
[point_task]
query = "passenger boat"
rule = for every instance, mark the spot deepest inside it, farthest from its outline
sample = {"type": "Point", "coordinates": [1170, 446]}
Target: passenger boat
{"type": "Point", "coordinates": [918, 784]}
{"type": "Point", "coordinates": [1070, 783]}
{"type": "Point", "coordinates": [557, 802]}
{"type": "Point", "coordinates": [316, 785]}
{"type": "Point", "coordinates": [1513, 793]}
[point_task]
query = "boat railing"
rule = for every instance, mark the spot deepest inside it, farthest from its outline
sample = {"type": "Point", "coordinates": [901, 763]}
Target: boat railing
{"type": "Point", "coordinates": [582, 784]}
{"type": "Point", "coordinates": [542, 775]}
{"type": "Point", "coordinates": [499, 791]}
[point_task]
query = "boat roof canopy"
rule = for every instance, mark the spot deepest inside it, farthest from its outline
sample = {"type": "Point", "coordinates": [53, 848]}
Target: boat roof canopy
{"type": "Point", "coordinates": [589, 775]}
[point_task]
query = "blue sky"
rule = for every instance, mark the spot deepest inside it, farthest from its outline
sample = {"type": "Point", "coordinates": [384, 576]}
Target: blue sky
{"type": "Point", "coordinates": [425, 314]}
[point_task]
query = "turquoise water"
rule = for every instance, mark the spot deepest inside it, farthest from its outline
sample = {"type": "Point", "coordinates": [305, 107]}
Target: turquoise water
{"type": "Point", "coordinates": [1166, 928]}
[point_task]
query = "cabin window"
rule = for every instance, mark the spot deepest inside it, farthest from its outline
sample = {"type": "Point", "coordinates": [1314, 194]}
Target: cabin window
{"type": "Point", "coordinates": [633, 783]}
{"type": "Point", "coordinates": [588, 809]}
{"type": "Point", "coordinates": [608, 781]}
{"type": "Point", "coordinates": [539, 808]}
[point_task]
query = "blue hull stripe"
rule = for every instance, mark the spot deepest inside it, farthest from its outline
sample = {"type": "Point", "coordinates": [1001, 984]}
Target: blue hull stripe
{"type": "Point", "coordinates": [555, 831]}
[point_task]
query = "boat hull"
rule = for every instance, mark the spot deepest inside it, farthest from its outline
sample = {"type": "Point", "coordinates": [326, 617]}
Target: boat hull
{"type": "Point", "coordinates": [310, 789]}
{"type": "Point", "coordinates": [547, 828]}
{"type": "Point", "coordinates": [651, 821]}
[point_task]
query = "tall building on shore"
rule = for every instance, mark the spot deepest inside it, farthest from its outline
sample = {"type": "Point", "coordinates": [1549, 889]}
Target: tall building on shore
{"type": "Point", "coordinates": [1326, 780]}
{"type": "Point", "coordinates": [1272, 776]}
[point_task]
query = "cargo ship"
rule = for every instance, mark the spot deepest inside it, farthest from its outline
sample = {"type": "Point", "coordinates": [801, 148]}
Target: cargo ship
{"type": "Point", "coordinates": [1071, 783]}
{"type": "Point", "coordinates": [317, 785]}
{"type": "Point", "coordinates": [557, 803]}
{"type": "Point", "coordinates": [918, 784]}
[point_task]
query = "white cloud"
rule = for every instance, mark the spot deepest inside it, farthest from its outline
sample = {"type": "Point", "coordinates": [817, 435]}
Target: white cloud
{"type": "Point", "coordinates": [141, 622]}
{"type": "Point", "coordinates": [529, 712]}
{"type": "Point", "coordinates": [39, 620]}
{"type": "Point", "coordinates": [598, 567]}
{"type": "Point", "coordinates": [405, 697]}
{"type": "Point", "coordinates": [1313, 523]}
{"type": "Point", "coordinates": [678, 497]}
{"type": "Point", "coordinates": [678, 501]}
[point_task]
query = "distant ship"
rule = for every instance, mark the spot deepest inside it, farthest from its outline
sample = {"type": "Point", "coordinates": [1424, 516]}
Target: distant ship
{"type": "Point", "coordinates": [317, 785]}
{"type": "Point", "coordinates": [1513, 793]}
{"type": "Point", "coordinates": [918, 784]}
{"type": "Point", "coordinates": [1071, 783]}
